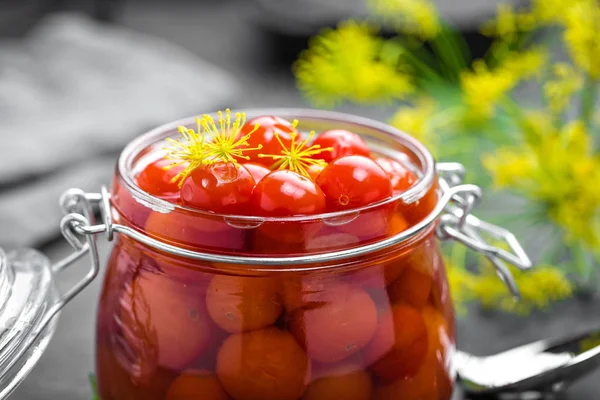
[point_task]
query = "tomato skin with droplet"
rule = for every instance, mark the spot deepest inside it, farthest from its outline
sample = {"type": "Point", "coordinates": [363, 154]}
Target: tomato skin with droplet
{"type": "Point", "coordinates": [158, 181]}
{"type": "Point", "coordinates": [352, 182]}
{"type": "Point", "coordinates": [220, 187]}
{"type": "Point", "coordinates": [342, 142]}
{"type": "Point", "coordinates": [265, 136]}
{"type": "Point", "coordinates": [285, 193]}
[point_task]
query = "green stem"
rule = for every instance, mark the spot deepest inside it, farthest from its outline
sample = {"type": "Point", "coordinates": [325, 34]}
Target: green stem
{"type": "Point", "coordinates": [450, 50]}
{"type": "Point", "coordinates": [582, 265]}
{"type": "Point", "coordinates": [427, 71]}
{"type": "Point", "coordinates": [458, 254]}
{"type": "Point", "coordinates": [588, 99]}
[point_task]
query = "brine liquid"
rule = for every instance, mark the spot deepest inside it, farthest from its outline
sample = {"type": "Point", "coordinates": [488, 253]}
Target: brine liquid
{"type": "Point", "coordinates": [377, 328]}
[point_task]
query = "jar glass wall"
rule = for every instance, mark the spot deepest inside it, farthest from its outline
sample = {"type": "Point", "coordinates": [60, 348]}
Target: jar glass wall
{"type": "Point", "coordinates": [372, 325]}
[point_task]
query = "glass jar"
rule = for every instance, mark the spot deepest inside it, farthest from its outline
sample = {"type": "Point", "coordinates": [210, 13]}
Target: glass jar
{"type": "Point", "coordinates": [351, 304]}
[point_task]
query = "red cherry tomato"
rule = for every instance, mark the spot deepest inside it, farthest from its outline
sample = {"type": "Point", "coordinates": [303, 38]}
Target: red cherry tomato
{"type": "Point", "coordinates": [354, 181]}
{"type": "Point", "coordinates": [157, 181]}
{"type": "Point", "coordinates": [344, 143]}
{"type": "Point", "coordinates": [257, 171]}
{"type": "Point", "coordinates": [286, 193]}
{"type": "Point", "coordinates": [401, 177]}
{"type": "Point", "coordinates": [220, 187]}
{"type": "Point", "coordinates": [265, 136]}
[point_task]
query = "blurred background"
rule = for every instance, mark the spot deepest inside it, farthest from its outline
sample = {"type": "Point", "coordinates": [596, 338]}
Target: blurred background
{"type": "Point", "coordinates": [79, 79]}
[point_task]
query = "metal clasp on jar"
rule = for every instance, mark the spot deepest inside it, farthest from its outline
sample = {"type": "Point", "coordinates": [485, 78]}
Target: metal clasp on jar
{"type": "Point", "coordinates": [456, 201]}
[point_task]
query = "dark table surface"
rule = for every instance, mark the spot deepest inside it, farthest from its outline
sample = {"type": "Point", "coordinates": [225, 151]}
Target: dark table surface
{"type": "Point", "coordinates": [223, 34]}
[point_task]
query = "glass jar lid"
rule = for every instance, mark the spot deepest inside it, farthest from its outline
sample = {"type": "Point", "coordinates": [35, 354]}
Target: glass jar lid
{"type": "Point", "coordinates": [27, 293]}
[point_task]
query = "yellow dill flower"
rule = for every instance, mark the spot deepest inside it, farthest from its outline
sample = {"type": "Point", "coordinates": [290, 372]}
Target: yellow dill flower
{"type": "Point", "coordinates": [224, 143]}
{"type": "Point", "coordinates": [418, 17]}
{"type": "Point", "coordinates": [415, 121]}
{"type": "Point", "coordinates": [558, 91]}
{"type": "Point", "coordinates": [539, 288]}
{"type": "Point", "coordinates": [550, 11]}
{"type": "Point", "coordinates": [525, 64]}
{"type": "Point", "coordinates": [557, 169]}
{"type": "Point", "coordinates": [582, 24]}
{"type": "Point", "coordinates": [461, 283]}
{"type": "Point", "coordinates": [298, 158]}
{"type": "Point", "coordinates": [509, 22]}
{"type": "Point", "coordinates": [483, 88]}
{"type": "Point", "coordinates": [344, 64]}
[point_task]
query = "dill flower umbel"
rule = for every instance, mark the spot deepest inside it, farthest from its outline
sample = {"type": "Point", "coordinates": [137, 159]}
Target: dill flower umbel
{"type": "Point", "coordinates": [565, 81]}
{"type": "Point", "coordinates": [482, 88]}
{"type": "Point", "coordinates": [211, 143]}
{"type": "Point", "coordinates": [582, 23]}
{"type": "Point", "coordinates": [417, 17]}
{"type": "Point", "coordinates": [299, 156]}
{"type": "Point", "coordinates": [557, 169]}
{"type": "Point", "coordinates": [539, 288]}
{"type": "Point", "coordinates": [344, 64]}
{"type": "Point", "coordinates": [415, 121]}
{"type": "Point", "coordinates": [509, 22]}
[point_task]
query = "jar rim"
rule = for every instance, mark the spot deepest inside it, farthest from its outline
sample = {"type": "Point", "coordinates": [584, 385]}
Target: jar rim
{"type": "Point", "coordinates": [133, 150]}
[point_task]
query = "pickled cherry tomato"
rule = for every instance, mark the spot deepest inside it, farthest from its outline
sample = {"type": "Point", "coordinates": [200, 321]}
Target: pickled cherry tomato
{"type": "Point", "coordinates": [265, 136]}
{"type": "Point", "coordinates": [341, 321]}
{"type": "Point", "coordinates": [399, 345]}
{"type": "Point", "coordinates": [257, 171]}
{"type": "Point", "coordinates": [220, 187]}
{"type": "Point", "coordinates": [348, 382]}
{"type": "Point", "coordinates": [196, 384]}
{"type": "Point", "coordinates": [432, 381]}
{"type": "Point", "coordinates": [344, 143]}
{"type": "Point", "coordinates": [156, 313]}
{"type": "Point", "coordinates": [157, 181]}
{"type": "Point", "coordinates": [401, 177]}
{"type": "Point", "coordinates": [266, 364]}
{"type": "Point", "coordinates": [354, 181]}
{"type": "Point", "coordinates": [238, 303]}
{"type": "Point", "coordinates": [413, 286]}
{"type": "Point", "coordinates": [285, 193]}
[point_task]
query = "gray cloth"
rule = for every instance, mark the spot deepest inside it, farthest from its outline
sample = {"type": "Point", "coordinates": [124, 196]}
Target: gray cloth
{"type": "Point", "coordinates": [72, 94]}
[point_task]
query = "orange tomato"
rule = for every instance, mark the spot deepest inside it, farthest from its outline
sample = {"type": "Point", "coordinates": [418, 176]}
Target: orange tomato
{"type": "Point", "coordinates": [341, 322]}
{"type": "Point", "coordinates": [421, 386]}
{"type": "Point", "coordinates": [375, 223]}
{"type": "Point", "coordinates": [237, 303]}
{"type": "Point", "coordinates": [432, 381]}
{"type": "Point", "coordinates": [164, 320]}
{"type": "Point", "coordinates": [413, 287]}
{"type": "Point", "coordinates": [266, 364]}
{"type": "Point", "coordinates": [308, 291]}
{"type": "Point", "coordinates": [347, 381]}
{"type": "Point", "coordinates": [399, 344]}
{"type": "Point", "coordinates": [196, 384]}
{"type": "Point", "coordinates": [118, 378]}
{"type": "Point", "coordinates": [417, 211]}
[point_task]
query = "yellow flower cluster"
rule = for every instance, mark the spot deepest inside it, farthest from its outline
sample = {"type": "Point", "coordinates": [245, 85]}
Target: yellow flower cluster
{"type": "Point", "coordinates": [418, 17]}
{"type": "Point", "coordinates": [344, 64]}
{"type": "Point", "coordinates": [415, 121]}
{"type": "Point", "coordinates": [508, 22]}
{"type": "Point", "coordinates": [539, 288]}
{"type": "Point", "coordinates": [484, 88]}
{"type": "Point", "coordinates": [565, 82]}
{"type": "Point", "coordinates": [582, 24]}
{"type": "Point", "coordinates": [557, 169]}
